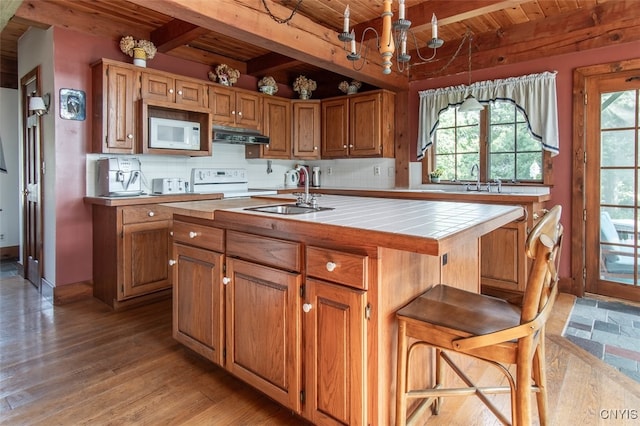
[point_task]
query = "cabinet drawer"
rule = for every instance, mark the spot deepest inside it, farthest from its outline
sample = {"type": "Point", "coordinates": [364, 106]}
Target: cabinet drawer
{"type": "Point", "coordinates": [268, 251]}
{"type": "Point", "coordinates": [337, 266]}
{"type": "Point", "coordinates": [145, 214]}
{"type": "Point", "coordinates": [198, 235]}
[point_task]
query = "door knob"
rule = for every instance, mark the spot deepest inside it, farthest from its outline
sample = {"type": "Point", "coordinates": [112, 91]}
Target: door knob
{"type": "Point", "coordinates": [226, 280]}
{"type": "Point", "coordinates": [306, 307]}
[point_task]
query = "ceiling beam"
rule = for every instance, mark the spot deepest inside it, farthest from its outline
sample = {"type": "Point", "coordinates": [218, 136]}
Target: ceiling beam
{"type": "Point", "coordinates": [174, 34]}
{"type": "Point", "coordinates": [270, 63]}
{"type": "Point", "coordinates": [300, 38]}
{"type": "Point", "coordinates": [7, 10]}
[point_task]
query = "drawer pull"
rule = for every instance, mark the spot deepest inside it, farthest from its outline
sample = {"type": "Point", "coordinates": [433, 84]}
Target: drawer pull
{"type": "Point", "coordinates": [331, 266]}
{"type": "Point", "coordinates": [172, 262]}
{"type": "Point", "coordinates": [307, 307]}
{"type": "Point", "coordinates": [151, 214]}
{"type": "Point", "coordinates": [226, 280]}
{"type": "Point", "coordinates": [193, 234]}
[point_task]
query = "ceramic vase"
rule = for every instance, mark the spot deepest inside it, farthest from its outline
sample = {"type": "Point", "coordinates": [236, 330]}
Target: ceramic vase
{"type": "Point", "coordinates": [139, 57]}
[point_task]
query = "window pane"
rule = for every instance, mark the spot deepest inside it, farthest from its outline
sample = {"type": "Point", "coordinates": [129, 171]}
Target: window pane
{"type": "Point", "coordinates": [502, 166]}
{"type": "Point", "coordinates": [448, 163]}
{"type": "Point", "coordinates": [618, 109]}
{"type": "Point", "coordinates": [617, 186]}
{"type": "Point", "coordinates": [503, 138]}
{"type": "Point", "coordinates": [464, 164]}
{"type": "Point", "coordinates": [447, 118]}
{"type": "Point", "coordinates": [502, 112]}
{"type": "Point", "coordinates": [445, 141]}
{"type": "Point", "coordinates": [617, 148]}
{"type": "Point", "coordinates": [469, 139]}
{"type": "Point", "coordinates": [526, 142]}
{"type": "Point", "coordinates": [468, 118]}
{"type": "Point", "coordinates": [528, 166]}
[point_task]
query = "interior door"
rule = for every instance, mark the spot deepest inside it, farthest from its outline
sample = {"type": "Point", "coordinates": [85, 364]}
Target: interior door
{"type": "Point", "coordinates": [32, 175]}
{"type": "Point", "coordinates": [612, 180]}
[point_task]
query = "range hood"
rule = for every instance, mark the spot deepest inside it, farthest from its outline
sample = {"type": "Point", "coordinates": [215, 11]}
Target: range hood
{"type": "Point", "coordinates": [225, 134]}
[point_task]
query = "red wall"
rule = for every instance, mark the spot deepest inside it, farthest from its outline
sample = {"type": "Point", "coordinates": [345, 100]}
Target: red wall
{"type": "Point", "coordinates": [562, 163]}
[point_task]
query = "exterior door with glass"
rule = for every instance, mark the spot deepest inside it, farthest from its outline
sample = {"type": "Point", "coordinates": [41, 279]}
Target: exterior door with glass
{"type": "Point", "coordinates": [612, 185]}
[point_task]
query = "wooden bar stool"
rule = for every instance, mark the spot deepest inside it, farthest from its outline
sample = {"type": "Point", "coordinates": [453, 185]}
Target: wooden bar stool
{"type": "Point", "coordinates": [486, 328]}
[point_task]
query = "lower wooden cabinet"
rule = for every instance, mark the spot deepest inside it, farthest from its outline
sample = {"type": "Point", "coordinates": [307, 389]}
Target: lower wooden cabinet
{"type": "Point", "coordinates": [198, 297]}
{"type": "Point", "coordinates": [130, 253]}
{"type": "Point", "coordinates": [335, 344]}
{"type": "Point", "coordinates": [263, 329]}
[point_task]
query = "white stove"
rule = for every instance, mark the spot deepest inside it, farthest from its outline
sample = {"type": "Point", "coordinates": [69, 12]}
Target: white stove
{"type": "Point", "coordinates": [232, 183]}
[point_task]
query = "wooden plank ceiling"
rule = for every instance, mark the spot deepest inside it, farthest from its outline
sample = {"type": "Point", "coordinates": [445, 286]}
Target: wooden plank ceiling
{"type": "Point", "coordinates": [246, 35]}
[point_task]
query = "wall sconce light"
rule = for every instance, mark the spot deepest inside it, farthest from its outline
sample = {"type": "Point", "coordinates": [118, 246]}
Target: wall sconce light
{"type": "Point", "coordinates": [40, 105]}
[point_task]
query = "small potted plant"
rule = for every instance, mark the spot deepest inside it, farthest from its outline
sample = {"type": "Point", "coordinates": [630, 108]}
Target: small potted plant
{"type": "Point", "coordinates": [304, 86]}
{"type": "Point", "coordinates": [350, 88]}
{"type": "Point", "coordinates": [139, 50]}
{"type": "Point", "coordinates": [268, 85]}
{"type": "Point", "coordinates": [225, 75]}
{"type": "Point", "coordinates": [436, 174]}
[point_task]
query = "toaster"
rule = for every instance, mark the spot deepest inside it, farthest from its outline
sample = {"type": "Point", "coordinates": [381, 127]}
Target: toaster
{"type": "Point", "coordinates": [169, 186]}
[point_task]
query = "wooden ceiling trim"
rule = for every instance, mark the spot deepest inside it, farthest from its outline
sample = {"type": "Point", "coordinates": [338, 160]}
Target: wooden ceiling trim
{"type": "Point", "coordinates": [7, 10]}
{"type": "Point", "coordinates": [300, 39]}
{"type": "Point", "coordinates": [201, 56]}
{"type": "Point", "coordinates": [56, 14]}
{"type": "Point", "coordinates": [269, 64]}
{"type": "Point", "coordinates": [604, 25]}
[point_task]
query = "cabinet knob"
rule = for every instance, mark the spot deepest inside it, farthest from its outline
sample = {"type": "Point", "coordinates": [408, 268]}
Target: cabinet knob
{"type": "Point", "coordinates": [350, 145]}
{"type": "Point", "coordinates": [240, 113]}
{"type": "Point", "coordinates": [315, 148]}
{"type": "Point", "coordinates": [172, 262]}
{"type": "Point", "coordinates": [151, 214]}
{"type": "Point", "coordinates": [344, 146]}
{"type": "Point", "coordinates": [306, 307]}
{"type": "Point", "coordinates": [331, 266]}
{"type": "Point", "coordinates": [226, 280]}
{"type": "Point", "coordinates": [233, 113]}
{"type": "Point", "coordinates": [180, 92]}
{"type": "Point", "coordinates": [130, 136]}
{"type": "Point", "coordinates": [170, 90]}
{"type": "Point", "coordinates": [193, 234]}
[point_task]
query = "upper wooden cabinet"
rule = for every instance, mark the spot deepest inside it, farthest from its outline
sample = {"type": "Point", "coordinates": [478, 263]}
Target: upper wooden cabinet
{"type": "Point", "coordinates": [306, 129]}
{"type": "Point", "coordinates": [359, 125]}
{"type": "Point", "coordinates": [114, 125]}
{"type": "Point", "coordinates": [276, 123]}
{"type": "Point", "coordinates": [235, 107]}
{"type": "Point", "coordinates": [167, 88]}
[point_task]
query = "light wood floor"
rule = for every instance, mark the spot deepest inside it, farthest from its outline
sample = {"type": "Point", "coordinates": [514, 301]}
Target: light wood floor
{"type": "Point", "coordinates": [84, 364]}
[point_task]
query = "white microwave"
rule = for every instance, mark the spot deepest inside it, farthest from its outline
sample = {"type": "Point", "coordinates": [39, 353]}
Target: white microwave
{"type": "Point", "coordinates": [165, 133]}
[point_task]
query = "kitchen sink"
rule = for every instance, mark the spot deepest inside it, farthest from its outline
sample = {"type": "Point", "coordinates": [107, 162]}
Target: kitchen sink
{"type": "Point", "coordinates": [287, 209]}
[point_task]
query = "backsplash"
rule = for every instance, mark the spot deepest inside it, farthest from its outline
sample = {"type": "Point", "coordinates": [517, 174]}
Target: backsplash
{"type": "Point", "coordinates": [347, 173]}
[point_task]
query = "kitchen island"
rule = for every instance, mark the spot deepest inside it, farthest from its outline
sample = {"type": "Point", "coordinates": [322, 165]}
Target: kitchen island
{"type": "Point", "coordinates": [302, 307]}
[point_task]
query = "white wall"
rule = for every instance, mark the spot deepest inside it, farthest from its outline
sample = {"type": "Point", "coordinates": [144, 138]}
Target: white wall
{"type": "Point", "coordinates": [9, 193]}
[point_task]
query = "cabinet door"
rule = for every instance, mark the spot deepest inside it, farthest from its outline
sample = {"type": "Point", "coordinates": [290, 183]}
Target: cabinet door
{"type": "Point", "coordinates": [120, 137]}
{"type": "Point", "coordinates": [335, 354]}
{"type": "Point", "coordinates": [263, 329]}
{"type": "Point", "coordinates": [306, 129]}
{"type": "Point", "coordinates": [335, 128]}
{"type": "Point", "coordinates": [145, 258]}
{"type": "Point", "coordinates": [364, 126]}
{"type": "Point", "coordinates": [158, 87]}
{"type": "Point", "coordinates": [276, 123]}
{"type": "Point", "coordinates": [222, 103]}
{"type": "Point", "coordinates": [248, 109]}
{"type": "Point", "coordinates": [190, 93]}
{"type": "Point", "coordinates": [198, 298]}
{"type": "Point", "coordinates": [504, 244]}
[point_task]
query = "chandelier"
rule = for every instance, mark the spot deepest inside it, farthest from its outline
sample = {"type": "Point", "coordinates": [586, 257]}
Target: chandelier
{"type": "Point", "coordinates": [393, 33]}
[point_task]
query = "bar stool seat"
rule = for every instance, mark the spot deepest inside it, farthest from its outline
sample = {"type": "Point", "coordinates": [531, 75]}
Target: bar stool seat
{"type": "Point", "coordinates": [449, 319]}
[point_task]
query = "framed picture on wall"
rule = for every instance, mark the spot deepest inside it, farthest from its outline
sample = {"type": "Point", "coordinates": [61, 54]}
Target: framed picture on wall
{"type": "Point", "coordinates": [72, 104]}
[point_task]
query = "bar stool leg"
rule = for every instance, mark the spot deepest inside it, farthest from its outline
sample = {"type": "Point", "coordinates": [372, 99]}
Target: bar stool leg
{"type": "Point", "coordinates": [437, 404]}
{"type": "Point", "coordinates": [401, 377]}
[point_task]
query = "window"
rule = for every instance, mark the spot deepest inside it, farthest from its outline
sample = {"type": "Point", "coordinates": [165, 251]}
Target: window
{"type": "Point", "coordinates": [510, 153]}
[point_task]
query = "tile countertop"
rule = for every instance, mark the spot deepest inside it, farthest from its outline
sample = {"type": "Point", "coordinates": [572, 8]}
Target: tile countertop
{"type": "Point", "coordinates": [422, 226]}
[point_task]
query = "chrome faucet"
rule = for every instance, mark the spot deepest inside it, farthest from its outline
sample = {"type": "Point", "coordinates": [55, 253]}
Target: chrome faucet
{"type": "Point", "coordinates": [475, 171]}
{"type": "Point", "coordinates": [306, 199]}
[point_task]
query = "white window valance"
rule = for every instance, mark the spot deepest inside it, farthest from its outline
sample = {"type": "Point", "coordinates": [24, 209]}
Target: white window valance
{"type": "Point", "coordinates": [534, 95]}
